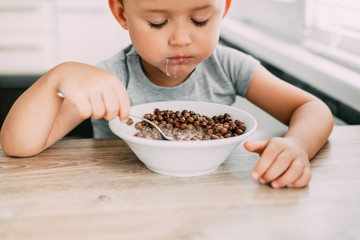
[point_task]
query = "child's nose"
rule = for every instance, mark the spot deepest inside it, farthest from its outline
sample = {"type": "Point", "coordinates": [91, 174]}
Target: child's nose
{"type": "Point", "coordinates": [180, 37]}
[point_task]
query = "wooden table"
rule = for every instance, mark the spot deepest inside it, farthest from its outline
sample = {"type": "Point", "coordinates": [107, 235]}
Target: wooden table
{"type": "Point", "coordinates": [98, 189]}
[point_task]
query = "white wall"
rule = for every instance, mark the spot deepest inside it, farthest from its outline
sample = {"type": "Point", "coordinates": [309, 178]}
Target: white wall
{"type": "Point", "coordinates": [35, 35]}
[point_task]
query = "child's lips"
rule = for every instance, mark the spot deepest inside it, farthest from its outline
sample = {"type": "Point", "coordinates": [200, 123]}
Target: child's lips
{"type": "Point", "coordinates": [180, 58]}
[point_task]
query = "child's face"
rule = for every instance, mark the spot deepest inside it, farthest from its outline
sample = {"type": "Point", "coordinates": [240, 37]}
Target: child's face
{"type": "Point", "coordinates": [173, 36]}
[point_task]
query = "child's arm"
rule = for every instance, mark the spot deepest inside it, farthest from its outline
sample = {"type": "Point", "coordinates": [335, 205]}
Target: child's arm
{"type": "Point", "coordinates": [285, 161]}
{"type": "Point", "coordinates": [39, 117]}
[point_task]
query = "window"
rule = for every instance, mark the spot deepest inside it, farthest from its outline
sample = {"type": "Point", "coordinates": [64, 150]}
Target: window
{"type": "Point", "coordinates": [332, 29]}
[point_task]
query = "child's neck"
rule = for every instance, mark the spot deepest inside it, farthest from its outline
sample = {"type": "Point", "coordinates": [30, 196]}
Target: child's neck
{"type": "Point", "coordinates": [159, 78]}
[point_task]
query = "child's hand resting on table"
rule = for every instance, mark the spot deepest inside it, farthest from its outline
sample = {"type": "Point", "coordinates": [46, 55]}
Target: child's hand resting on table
{"type": "Point", "coordinates": [282, 162]}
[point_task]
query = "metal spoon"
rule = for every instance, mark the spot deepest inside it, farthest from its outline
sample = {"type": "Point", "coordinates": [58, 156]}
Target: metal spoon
{"type": "Point", "coordinates": [162, 134]}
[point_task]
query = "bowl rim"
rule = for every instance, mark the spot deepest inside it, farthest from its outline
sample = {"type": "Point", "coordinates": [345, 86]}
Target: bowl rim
{"type": "Point", "coordinates": [182, 144]}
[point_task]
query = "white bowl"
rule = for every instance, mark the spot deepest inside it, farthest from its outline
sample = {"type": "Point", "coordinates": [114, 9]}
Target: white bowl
{"type": "Point", "coordinates": [183, 158]}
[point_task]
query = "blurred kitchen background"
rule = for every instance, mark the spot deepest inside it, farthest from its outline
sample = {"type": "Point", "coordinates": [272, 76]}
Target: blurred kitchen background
{"type": "Point", "coordinates": [313, 44]}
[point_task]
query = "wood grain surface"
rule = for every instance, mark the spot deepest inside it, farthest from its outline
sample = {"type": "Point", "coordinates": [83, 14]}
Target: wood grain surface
{"type": "Point", "coordinates": [98, 189]}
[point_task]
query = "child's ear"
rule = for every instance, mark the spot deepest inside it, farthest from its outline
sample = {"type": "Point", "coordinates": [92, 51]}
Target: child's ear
{"type": "Point", "coordinates": [118, 11]}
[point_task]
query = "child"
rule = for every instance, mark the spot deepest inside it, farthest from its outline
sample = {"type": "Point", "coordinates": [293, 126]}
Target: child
{"type": "Point", "coordinates": [174, 56]}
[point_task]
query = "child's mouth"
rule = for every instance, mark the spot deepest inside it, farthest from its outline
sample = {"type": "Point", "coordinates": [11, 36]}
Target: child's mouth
{"type": "Point", "coordinates": [171, 64]}
{"type": "Point", "coordinates": [179, 59]}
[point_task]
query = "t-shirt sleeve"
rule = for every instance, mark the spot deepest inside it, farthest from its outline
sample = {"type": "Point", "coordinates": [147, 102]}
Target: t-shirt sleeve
{"type": "Point", "coordinates": [238, 66]}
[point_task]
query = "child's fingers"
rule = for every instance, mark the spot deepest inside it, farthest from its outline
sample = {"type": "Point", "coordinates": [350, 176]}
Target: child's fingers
{"type": "Point", "coordinates": [268, 156]}
{"type": "Point", "coordinates": [294, 171]}
{"type": "Point", "coordinates": [303, 180]}
{"type": "Point", "coordinates": [255, 146]}
{"type": "Point", "coordinates": [82, 104]}
{"type": "Point", "coordinates": [112, 105]}
{"type": "Point", "coordinates": [98, 107]}
{"type": "Point", "coordinates": [124, 101]}
{"type": "Point", "coordinates": [278, 167]}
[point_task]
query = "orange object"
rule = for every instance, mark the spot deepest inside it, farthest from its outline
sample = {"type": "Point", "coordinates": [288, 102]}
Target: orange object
{"type": "Point", "coordinates": [227, 6]}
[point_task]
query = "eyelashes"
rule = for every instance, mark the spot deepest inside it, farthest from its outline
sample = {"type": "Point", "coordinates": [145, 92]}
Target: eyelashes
{"type": "Point", "coordinates": [158, 26]}
{"type": "Point", "coordinates": [200, 24]}
{"type": "Point", "coordinates": [196, 23]}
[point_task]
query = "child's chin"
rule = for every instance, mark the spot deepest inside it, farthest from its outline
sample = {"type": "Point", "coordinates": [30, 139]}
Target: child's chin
{"type": "Point", "coordinates": [180, 73]}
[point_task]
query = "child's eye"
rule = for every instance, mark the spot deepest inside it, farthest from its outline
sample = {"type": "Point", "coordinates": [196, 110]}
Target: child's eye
{"type": "Point", "coordinates": [157, 26]}
{"type": "Point", "coordinates": [200, 24]}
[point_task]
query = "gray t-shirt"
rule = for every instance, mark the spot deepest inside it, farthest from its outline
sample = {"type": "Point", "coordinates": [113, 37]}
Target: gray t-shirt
{"type": "Point", "coordinates": [222, 76]}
